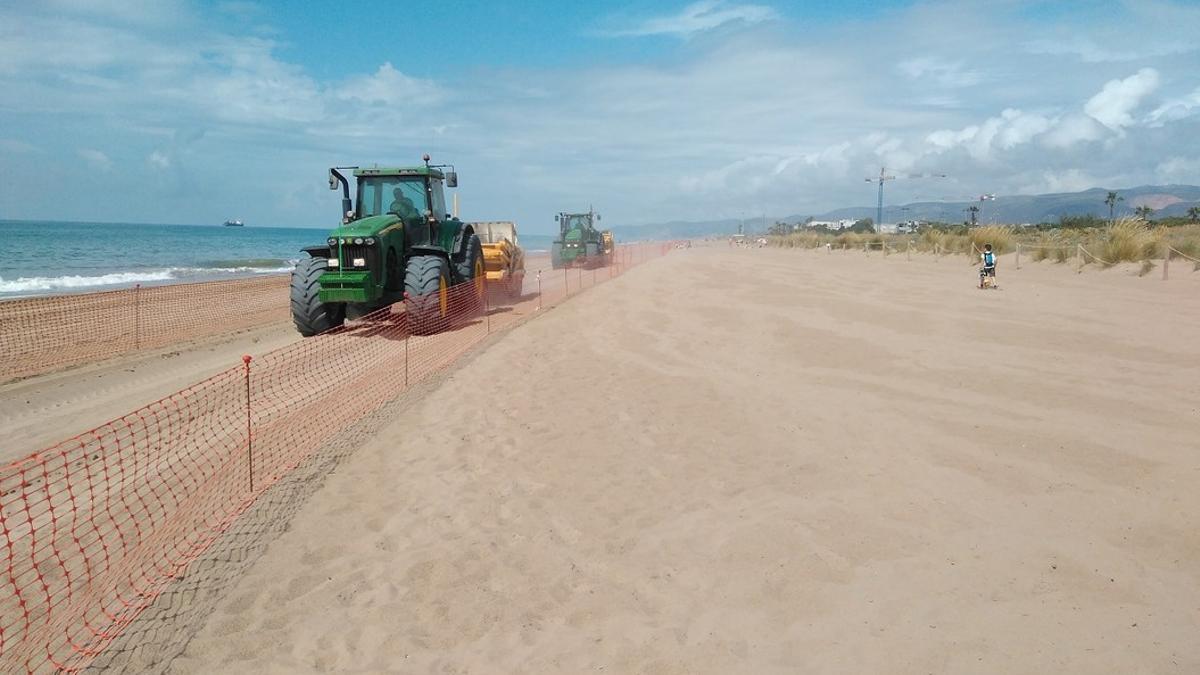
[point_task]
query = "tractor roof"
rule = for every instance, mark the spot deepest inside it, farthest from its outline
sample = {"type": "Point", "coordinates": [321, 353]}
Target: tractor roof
{"type": "Point", "coordinates": [400, 171]}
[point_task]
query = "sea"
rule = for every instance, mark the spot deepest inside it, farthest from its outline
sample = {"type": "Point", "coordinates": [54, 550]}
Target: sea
{"type": "Point", "coordinates": [50, 258]}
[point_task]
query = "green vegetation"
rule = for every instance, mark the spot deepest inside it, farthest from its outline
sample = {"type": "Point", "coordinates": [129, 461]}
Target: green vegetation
{"type": "Point", "coordinates": [1124, 240]}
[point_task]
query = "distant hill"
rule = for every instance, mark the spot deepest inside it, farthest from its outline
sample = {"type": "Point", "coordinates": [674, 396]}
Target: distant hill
{"type": "Point", "coordinates": [678, 229]}
{"type": "Point", "coordinates": [1167, 200]}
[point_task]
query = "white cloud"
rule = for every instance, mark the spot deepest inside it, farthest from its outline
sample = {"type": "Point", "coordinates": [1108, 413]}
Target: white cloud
{"type": "Point", "coordinates": [697, 18]}
{"type": "Point", "coordinates": [1070, 180]}
{"type": "Point", "coordinates": [1075, 128]}
{"type": "Point", "coordinates": [389, 86]}
{"type": "Point", "coordinates": [943, 73]}
{"type": "Point", "coordinates": [1178, 170]}
{"type": "Point", "coordinates": [1111, 51]}
{"type": "Point", "coordinates": [96, 159]}
{"type": "Point", "coordinates": [17, 147]}
{"type": "Point", "coordinates": [159, 160]}
{"type": "Point", "coordinates": [134, 12]}
{"type": "Point", "coordinates": [1010, 129]}
{"type": "Point", "coordinates": [1113, 106]}
{"type": "Point", "coordinates": [1175, 109]}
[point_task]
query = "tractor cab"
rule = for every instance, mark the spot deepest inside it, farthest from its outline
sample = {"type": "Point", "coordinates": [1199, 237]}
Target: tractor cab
{"type": "Point", "coordinates": [576, 225]}
{"type": "Point", "coordinates": [413, 194]}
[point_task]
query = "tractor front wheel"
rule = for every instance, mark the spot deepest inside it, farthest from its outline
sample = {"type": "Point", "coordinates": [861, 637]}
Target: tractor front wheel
{"type": "Point", "coordinates": [310, 315]}
{"type": "Point", "coordinates": [427, 291]}
{"type": "Point", "coordinates": [556, 259]}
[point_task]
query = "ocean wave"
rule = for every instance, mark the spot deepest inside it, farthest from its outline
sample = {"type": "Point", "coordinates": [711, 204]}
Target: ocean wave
{"type": "Point", "coordinates": [31, 284]}
{"type": "Point", "coordinates": [70, 282]}
{"type": "Point", "coordinates": [240, 270]}
{"type": "Point", "coordinates": [247, 263]}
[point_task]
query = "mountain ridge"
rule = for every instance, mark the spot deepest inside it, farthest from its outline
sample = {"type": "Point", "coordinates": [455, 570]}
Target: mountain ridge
{"type": "Point", "coordinates": [1167, 200]}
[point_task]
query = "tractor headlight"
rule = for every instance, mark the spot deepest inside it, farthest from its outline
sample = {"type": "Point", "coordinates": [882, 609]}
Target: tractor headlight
{"type": "Point", "coordinates": [360, 262]}
{"type": "Point", "coordinates": [343, 242]}
{"type": "Point", "coordinates": [358, 241]}
{"type": "Point", "coordinates": [332, 262]}
{"type": "Point", "coordinates": [370, 241]}
{"type": "Point", "coordinates": [331, 241]}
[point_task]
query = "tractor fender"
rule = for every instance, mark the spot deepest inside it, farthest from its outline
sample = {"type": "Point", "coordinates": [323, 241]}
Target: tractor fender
{"type": "Point", "coordinates": [460, 242]}
{"type": "Point", "coordinates": [428, 250]}
{"type": "Point", "coordinates": [316, 251]}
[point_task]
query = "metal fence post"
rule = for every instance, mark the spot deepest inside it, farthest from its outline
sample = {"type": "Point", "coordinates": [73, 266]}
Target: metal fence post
{"type": "Point", "coordinates": [1017, 265]}
{"type": "Point", "coordinates": [1166, 261]}
{"type": "Point", "coordinates": [137, 316]}
{"type": "Point", "coordinates": [487, 309]}
{"type": "Point", "coordinates": [406, 361]}
{"type": "Point", "coordinates": [249, 431]}
{"type": "Point", "coordinates": [539, 280]}
{"type": "Point", "coordinates": [1079, 258]}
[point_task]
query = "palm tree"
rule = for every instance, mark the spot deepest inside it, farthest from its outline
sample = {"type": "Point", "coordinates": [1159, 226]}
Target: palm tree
{"type": "Point", "coordinates": [1144, 212]}
{"type": "Point", "coordinates": [1112, 200]}
{"type": "Point", "coordinates": [974, 209]}
{"type": "Point", "coordinates": [1194, 214]}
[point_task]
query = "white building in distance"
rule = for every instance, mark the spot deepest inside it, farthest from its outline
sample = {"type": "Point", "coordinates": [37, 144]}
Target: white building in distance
{"type": "Point", "coordinates": [829, 224]}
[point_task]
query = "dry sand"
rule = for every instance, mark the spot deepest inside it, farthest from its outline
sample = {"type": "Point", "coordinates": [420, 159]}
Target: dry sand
{"type": "Point", "coordinates": [38, 411]}
{"type": "Point", "coordinates": [768, 461]}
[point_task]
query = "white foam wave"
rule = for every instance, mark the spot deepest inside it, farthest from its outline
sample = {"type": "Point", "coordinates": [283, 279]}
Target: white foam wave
{"type": "Point", "coordinates": [75, 281]}
{"type": "Point", "coordinates": [33, 284]}
{"type": "Point", "coordinates": [241, 270]}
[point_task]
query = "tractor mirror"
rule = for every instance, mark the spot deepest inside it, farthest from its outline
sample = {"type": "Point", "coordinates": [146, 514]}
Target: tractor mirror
{"type": "Point", "coordinates": [556, 217]}
{"type": "Point", "coordinates": [597, 216]}
{"type": "Point", "coordinates": [333, 181]}
{"type": "Point", "coordinates": [452, 179]}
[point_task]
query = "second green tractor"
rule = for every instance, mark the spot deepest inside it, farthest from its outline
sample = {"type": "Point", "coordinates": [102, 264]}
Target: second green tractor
{"type": "Point", "coordinates": [580, 243]}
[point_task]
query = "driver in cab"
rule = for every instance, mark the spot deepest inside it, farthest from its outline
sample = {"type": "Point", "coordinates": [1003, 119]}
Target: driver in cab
{"type": "Point", "coordinates": [403, 206]}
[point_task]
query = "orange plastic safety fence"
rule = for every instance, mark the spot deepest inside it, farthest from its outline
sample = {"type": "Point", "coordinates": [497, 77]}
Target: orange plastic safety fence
{"type": "Point", "coordinates": [96, 527]}
{"type": "Point", "coordinates": [38, 335]}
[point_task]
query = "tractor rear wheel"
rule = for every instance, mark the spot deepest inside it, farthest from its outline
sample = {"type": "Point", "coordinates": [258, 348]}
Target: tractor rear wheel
{"type": "Point", "coordinates": [470, 268]}
{"type": "Point", "coordinates": [427, 291]}
{"type": "Point", "coordinates": [593, 254]}
{"type": "Point", "coordinates": [556, 260]}
{"type": "Point", "coordinates": [310, 315]}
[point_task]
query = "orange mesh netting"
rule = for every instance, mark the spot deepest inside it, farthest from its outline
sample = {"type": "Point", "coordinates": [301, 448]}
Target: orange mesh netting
{"type": "Point", "coordinates": [93, 529]}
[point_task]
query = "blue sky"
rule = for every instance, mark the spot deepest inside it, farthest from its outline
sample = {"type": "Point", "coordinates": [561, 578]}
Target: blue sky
{"type": "Point", "coordinates": [194, 112]}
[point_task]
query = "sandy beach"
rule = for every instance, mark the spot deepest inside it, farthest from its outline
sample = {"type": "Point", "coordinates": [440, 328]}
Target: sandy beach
{"type": "Point", "coordinates": [191, 345]}
{"type": "Point", "coordinates": [756, 461]}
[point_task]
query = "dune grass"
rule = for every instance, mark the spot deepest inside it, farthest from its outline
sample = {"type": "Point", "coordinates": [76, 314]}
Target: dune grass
{"type": "Point", "coordinates": [1129, 240]}
{"type": "Point", "coordinates": [1126, 240]}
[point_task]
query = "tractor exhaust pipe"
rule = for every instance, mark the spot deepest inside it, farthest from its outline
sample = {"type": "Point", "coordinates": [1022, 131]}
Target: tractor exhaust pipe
{"type": "Point", "coordinates": [336, 177]}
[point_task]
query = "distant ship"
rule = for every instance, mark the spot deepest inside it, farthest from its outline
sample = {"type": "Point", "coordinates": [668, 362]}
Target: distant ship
{"type": "Point", "coordinates": [234, 223]}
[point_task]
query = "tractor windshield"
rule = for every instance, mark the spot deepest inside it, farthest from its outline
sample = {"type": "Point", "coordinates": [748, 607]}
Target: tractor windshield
{"type": "Point", "coordinates": [577, 222]}
{"type": "Point", "coordinates": [401, 195]}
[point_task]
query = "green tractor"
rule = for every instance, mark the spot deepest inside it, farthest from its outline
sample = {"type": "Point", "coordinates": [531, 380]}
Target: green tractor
{"type": "Point", "coordinates": [579, 243]}
{"type": "Point", "coordinates": [396, 242]}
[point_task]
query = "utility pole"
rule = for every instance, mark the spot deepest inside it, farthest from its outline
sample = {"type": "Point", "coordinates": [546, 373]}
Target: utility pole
{"type": "Point", "coordinates": [976, 210]}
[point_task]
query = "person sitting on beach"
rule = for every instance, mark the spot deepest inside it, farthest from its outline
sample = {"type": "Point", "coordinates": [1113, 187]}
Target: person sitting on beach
{"type": "Point", "coordinates": [403, 206]}
{"type": "Point", "coordinates": [987, 274]}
